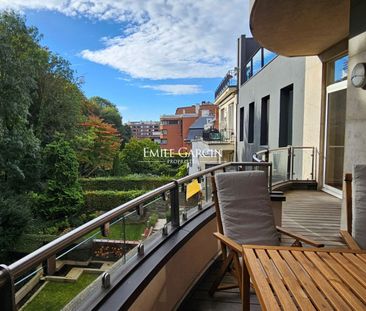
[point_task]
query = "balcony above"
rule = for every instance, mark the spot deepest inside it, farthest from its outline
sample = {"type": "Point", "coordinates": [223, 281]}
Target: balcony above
{"type": "Point", "coordinates": [228, 83]}
{"type": "Point", "coordinates": [299, 28]}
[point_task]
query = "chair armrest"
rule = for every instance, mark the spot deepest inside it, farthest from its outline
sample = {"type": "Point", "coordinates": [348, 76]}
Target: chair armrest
{"type": "Point", "coordinates": [299, 237]}
{"type": "Point", "coordinates": [228, 242]}
{"type": "Point", "coordinates": [348, 239]}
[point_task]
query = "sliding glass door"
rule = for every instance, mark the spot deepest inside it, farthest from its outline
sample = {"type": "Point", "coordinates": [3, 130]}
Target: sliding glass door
{"type": "Point", "coordinates": [334, 137]}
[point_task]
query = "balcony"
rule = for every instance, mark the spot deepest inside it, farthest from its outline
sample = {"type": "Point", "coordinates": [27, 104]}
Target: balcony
{"type": "Point", "coordinates": [124, 274]}
{"type": "Point", "coordinates": [229, 81]}
{"type": "Point", "coordinates": [299, 28]}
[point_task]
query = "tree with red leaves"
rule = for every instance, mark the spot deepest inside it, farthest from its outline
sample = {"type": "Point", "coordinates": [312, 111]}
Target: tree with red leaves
{"type": "Point", "coordinates": [97, 146]}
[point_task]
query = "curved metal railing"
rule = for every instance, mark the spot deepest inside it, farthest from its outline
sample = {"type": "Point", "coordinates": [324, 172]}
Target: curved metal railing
{"type": "Point", "coordinates": [8, 274]}
{"type": "Point", "coordinates": [292, 164]}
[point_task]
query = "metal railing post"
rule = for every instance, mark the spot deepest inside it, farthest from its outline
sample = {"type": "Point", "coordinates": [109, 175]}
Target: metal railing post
{"type": "Point", "coordinates": [292, 163]}
{"type": "Point", "coordinates": [266, 156]}
{"type": "Point", "coordinates": [7, 292]}
{"type": "Point", "coordinates": [174, 204]}
{"type": "Point", "coordinates": [270, 177]}
{"type": "Point", "coordinates": [313, 164]}
{"type": "Point", "coordinates": [289, 160]}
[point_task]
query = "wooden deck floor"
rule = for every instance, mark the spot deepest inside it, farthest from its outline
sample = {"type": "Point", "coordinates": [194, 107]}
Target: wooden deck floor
{"type": "Point", "coordinates": [313, 214]}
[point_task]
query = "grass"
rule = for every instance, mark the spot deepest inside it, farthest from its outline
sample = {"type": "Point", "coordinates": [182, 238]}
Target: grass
{"type": "Point", "coordinates": [133, 232]}
{"type": "Point", "coordinates": [54, 295]}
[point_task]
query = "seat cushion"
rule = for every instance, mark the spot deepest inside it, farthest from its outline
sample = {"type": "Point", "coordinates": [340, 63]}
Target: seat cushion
{"type": "Point", "coordinates": [359, 205]}
{"type": "Point", "coordinates": [246, 213]}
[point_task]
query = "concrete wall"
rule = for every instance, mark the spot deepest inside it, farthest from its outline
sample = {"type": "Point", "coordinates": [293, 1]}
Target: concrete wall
{"type": "Point", "coordinates": [281, 72]}
{"type": "Point", "coordinates": [355, 139]}
{"type": "Point", "coordinates": [313, 126]}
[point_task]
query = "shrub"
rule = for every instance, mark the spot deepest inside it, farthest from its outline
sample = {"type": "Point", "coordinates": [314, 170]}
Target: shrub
{"type": "Point", "coordinates": [153, 219]}
{"type": "Point", "coordinates": [30, 242]}
{"type": "Point", "coordinates": [182, 171]}
{"type": "Point", "coordinates": [14, 217]}
{"type": "Point", "coordinates": [107, 200]}
{"type": "Point", "coordinates": [131, 182]}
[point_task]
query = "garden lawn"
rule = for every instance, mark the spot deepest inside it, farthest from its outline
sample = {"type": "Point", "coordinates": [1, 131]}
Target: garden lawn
{"type": "Point", "coordinates": [133, 232]}
{"type": "Point", "coordinates": [55, 295]}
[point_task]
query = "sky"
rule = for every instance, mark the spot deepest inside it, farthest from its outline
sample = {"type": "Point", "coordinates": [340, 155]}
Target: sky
{"type": "Point", "coordinates": [146, 56]}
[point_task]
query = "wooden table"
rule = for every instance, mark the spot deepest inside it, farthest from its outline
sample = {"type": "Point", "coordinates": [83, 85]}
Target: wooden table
{"type": "Point", "coordinates": [292, 278]}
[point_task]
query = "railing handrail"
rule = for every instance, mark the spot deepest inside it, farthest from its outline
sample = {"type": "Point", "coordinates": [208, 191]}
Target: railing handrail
{"type": "Point", "coordinates": [280, 149]}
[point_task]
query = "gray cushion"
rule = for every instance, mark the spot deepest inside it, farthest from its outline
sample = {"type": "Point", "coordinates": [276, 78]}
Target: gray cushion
{"type": "Point", "coordinates": [246, 213]}
{"type": "Point", "coordinates": [359, 205]}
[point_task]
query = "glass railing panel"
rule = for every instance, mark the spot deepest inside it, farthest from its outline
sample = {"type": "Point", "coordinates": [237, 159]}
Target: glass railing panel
{"type": "Point", "coordinates": [302, 164]}
{"type": "Point", "coordinates": [207, 188]}
{"type": "Point", "coordinates": [158, 215]}
{"type": "Point", "coordinates": [190, 194]}
{"type": "Point", "coordinates": [80, 264]}
{"type": "Point", "coordinates": [280, 170]}
{"type": "Point", "coordinates": [58, 280]}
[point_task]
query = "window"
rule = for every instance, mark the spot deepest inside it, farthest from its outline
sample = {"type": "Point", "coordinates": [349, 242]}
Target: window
{"type": "Point", "coordinates": [222, 118]}
{"type": "Point", "coordinates": [268, 56]}
{"type": "Point", "coordinates": [169, 122]}
{"type": "Point", "coordinates": [341, 69]}
{"type": "Point", "coordinates": [205, 113]}
{"type": "Point", "coordinates": [264, 121]}
{"type": "Point", "coordinates": [230, 118]}
{"type": "Point", "coordinates": [164, 132]}
{"type": "Point", "coordinates": [251, 123]}
{"type": "Point", "coordinates": [257, 62]}
{"type": "Point", "coordinates": [248, 70]}
{"type": "Point", "coordinates": [164, 141]}
{"type": "Point", "coordinates": [241, 124]}
{"type": "Point", "coordinates": [286, 107]}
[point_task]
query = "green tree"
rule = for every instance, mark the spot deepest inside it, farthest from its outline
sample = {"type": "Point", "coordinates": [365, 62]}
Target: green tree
{"type": "Point", "coordinates": [57, 102]}
{"type": "Point", "coordinates": [144, 157]}
{"type": "Point", "coordinates": [19, 56]}
{"type": "Point", "coordinates": [107, 111]}
{"type": "Point", "coordinates": [62, 195]}
{"type": "Point", "coordinates": [126, 135]}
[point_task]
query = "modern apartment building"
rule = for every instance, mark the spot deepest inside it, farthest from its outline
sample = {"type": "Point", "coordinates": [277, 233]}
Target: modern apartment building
{"type": "Point", "coordinates": [145, 129]}
{"type": "Point", "coordinates": [334, 33]}
{"type": "Point", "coordinates": [280, 106]}
{"type": "Point", "coordinates": [175, 128]}
{"type": "Point", "coordinates": [218, 143]}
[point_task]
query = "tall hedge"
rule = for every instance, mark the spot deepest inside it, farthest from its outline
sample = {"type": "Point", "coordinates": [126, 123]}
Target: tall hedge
{"type": "Point", "coordinates": [107, 200]}
{"type": "Point", "coordinates": [124, 183]}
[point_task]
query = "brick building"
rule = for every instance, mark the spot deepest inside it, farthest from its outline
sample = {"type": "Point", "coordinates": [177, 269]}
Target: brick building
{"type": "Point", "coordinates": [145, 129]}
{"type": "Point", "coordinates": [175, 128]}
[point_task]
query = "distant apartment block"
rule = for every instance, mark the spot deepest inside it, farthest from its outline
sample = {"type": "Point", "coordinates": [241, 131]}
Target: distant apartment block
{"type": "Point", "coordinates": [175, 129]}
{"type": "Point", "coordinates": [218, 139]}
{"type": "Point", "coordinates": [145, 129]}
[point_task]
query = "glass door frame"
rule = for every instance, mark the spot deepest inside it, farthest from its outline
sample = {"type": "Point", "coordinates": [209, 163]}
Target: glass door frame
{"type": "Point", "coordinates": [338, 86]}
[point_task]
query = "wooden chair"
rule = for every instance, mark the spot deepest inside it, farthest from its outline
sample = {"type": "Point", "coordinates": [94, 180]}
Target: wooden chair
{"type": "Point", "coordinates": [249, 220]}
{"type": "Point", "coordinates": [355, 235]}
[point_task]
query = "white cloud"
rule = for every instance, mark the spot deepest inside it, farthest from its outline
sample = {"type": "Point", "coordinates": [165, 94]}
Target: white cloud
{"type": "Point", "coordinates": [164, 39]}
{"type": "Point", "coordinates": [176, 89]}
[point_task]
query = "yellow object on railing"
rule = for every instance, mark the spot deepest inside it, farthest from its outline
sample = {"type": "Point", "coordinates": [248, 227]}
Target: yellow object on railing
{"type": "Point", "coordinates": [192, 188]}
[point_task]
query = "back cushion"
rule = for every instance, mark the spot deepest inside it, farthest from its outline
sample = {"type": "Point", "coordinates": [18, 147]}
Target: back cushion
{"type": "Point", "coordinates": [246, 213]}
{"type": "Point", "coordinates": [359, 205]}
